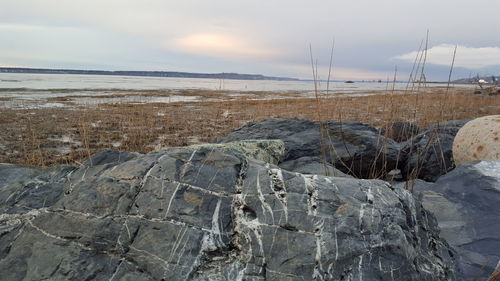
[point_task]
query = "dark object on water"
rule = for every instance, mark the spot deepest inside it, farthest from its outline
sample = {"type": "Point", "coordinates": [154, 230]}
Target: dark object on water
{"type": "Point", "coordinates": [349, 81]}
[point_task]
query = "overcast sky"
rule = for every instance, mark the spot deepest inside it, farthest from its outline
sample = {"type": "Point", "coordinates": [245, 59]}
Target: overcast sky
{"type": "Point", "coordinates": [270, 37]}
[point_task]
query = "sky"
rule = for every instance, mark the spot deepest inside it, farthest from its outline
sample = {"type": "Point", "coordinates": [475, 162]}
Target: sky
{"type": "Point", "coordinates": [370, 39]}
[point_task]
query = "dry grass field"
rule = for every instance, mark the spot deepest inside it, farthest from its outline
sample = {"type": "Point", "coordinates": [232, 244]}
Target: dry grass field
{"type": "Point", "coordinates": [67, 135]}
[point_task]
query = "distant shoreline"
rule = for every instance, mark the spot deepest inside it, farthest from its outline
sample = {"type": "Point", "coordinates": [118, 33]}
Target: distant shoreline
{"type": "Point", "coordinates": [223, 75]}
{"type": "Point", "coordinates": [172, 74]}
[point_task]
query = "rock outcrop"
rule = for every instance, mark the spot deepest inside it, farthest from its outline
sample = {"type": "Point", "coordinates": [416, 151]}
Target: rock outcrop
{"type": "Point", "coordinates": [351, 147]}
{"type": "Point", "coordinates": [211, 213]}
{"type": "Point", "coordinates": [466, 205]}
{"type": "Point", "coordinates": [430, 153]}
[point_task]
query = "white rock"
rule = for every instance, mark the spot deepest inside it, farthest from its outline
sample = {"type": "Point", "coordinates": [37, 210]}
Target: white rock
{"type": "Point", "coordinates": [479, 139]}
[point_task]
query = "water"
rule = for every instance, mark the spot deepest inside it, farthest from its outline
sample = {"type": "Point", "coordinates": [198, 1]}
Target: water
{"type": "Point", "coordinates": [33, 90]}
{"type": "Point", "coordinates": [105, 82]}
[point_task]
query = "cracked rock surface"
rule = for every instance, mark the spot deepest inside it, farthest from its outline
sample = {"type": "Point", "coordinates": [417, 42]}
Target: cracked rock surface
{"type": "Point", "coordinates": [210, 213]}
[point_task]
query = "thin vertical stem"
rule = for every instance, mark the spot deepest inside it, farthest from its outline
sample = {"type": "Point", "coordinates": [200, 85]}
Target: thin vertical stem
{"type": "Point", "coordinates": [451, 68]}
{"type": "Point", "coordinates": [449, 80]}
{"type": "Point", "coordinates": [330, 68]}
{"type": "Point", "coordinates": [413, 70]}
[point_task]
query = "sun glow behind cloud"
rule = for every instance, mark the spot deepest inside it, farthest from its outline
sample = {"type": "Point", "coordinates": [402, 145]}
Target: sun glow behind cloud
{"type": "Point", "coordinates": [9, 65]}
{"type": "Point", "coordinates": [466, 57]}
{"type": "Point", "coordinates": [220, 46]}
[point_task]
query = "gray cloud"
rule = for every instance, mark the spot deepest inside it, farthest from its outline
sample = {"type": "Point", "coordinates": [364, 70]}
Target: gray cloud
{"type": "Point", "coordinates": [467, 57]}
{"type": "Point", "coordinates": [269, 37]}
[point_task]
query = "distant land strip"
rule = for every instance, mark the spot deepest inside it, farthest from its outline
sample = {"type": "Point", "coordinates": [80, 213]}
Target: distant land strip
{"type": "Point", "coordinates": [175, 74]}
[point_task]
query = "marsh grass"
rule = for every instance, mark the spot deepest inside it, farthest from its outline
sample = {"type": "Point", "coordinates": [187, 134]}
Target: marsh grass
{"type": "Point", "coordinates": [34, 136]}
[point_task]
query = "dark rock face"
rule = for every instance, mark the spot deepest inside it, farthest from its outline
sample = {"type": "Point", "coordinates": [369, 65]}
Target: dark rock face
{"type": "Point", "coordinates": [352, 147]}
{"type": "Point", "coordinates": [210, 213]}
{"type": "Point", "coordinates": [429, 154]}
{"type": "Point", "coordinates": [466, 205]}
{"type": "Point", "coordinates": [401, 131]}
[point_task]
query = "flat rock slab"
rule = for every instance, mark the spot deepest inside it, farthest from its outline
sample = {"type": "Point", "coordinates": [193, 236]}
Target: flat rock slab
{"type": "Point", "coordinates": [466, 203]}
{"type": "Point", "coordinates": [210, 213]}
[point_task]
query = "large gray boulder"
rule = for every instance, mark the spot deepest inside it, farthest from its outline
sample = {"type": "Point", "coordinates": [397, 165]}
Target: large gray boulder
{"type": "Point", "coordinates": [430, 153]}
{"type": "Point", "coordinates": [210, 212]}
{"type": "Point", "coordinates": [351, 147]}
{"type": "Point", "coordinates": [466, 203]}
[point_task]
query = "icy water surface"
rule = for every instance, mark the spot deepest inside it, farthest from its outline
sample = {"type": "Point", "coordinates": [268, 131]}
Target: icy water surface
{"type": "Point", "coordinates": [40, 90]}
